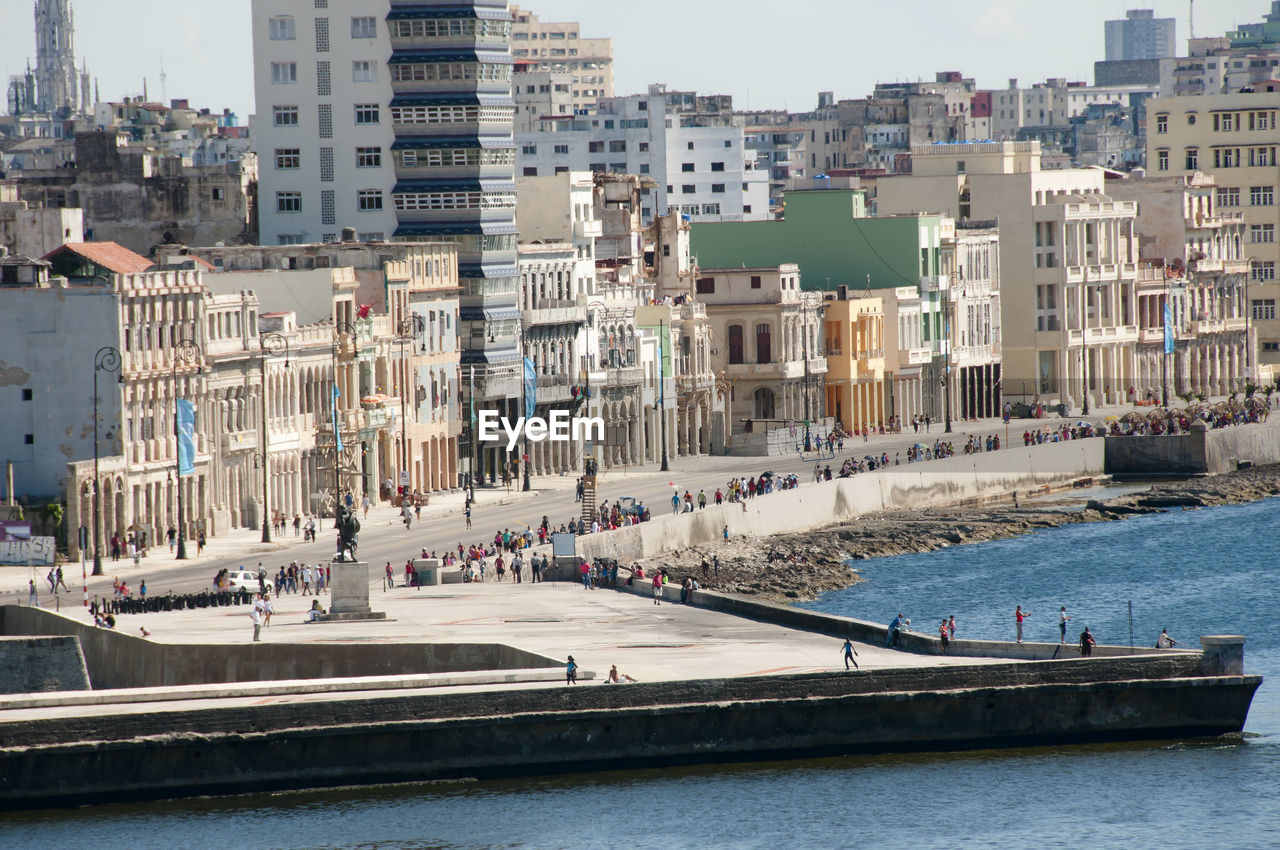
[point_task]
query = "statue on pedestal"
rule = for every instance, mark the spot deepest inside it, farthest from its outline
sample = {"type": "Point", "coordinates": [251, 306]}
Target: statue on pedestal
{"type": "Point", "coordinates": [348, 533]}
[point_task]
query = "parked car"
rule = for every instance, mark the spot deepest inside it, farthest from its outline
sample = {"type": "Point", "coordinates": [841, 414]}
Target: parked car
{"type": "Point", "coordinates": [630, 506]}
{"type": "Point", "coordinates": [248, 579]}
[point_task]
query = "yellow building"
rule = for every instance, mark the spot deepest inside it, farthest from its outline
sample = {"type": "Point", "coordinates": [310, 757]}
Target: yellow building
{"type": "Point", "coordinates": [853, 340]}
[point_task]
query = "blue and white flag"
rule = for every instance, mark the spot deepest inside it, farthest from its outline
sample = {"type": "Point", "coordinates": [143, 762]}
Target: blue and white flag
{"type": "Point", "coordinates": [337, 434]}
{"type": "Point", "coordinates": [1168, 328]}
{"type": "Point", "coordinates": [186, 437]}
{"type": "Point", "coordinates": [530, 388]}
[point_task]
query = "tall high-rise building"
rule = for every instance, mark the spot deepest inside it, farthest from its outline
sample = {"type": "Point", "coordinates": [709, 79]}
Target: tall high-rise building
{"type": "Point", "coordinates": [395, 119]}
{"type": "Point", "coordinates": [1141, 35]}
{"type": "Point", "coordinates": [57, 82]}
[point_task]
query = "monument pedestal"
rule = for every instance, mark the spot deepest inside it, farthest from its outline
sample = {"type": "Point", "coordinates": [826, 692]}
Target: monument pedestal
{"type": "Point", "coordinates": [349, 592]}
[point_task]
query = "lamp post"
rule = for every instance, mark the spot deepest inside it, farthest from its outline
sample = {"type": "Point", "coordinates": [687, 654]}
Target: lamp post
{"type": "Point", "coordinates": [405, 332]}
{"type": "Point", "coordinates": [106, 360]}
{"type": "Point", "coordinates": [185, 352]}
{"type": "Point", "coordinates": [270, 345]}
{"type": "Point", "coordinates": [339, 328]}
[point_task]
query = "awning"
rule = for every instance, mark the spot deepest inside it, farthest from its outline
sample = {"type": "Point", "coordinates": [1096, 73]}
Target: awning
{"type": "Point", "coordinates": [451, 99]}
{"type": "Point", "coordinates": [449, 142]}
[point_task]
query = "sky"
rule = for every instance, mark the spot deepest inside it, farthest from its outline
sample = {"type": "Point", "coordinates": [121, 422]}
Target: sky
{"type": "Point", "coordinates": [767, 54]}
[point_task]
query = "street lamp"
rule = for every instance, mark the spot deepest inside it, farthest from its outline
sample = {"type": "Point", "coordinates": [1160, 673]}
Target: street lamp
{"type": "Point", "coordinates": [406, 330]}
{"type": "Point", "coordinates": [339, 329]}
{"type": "Point", "coordinates": [185, 352]}
{"type": "Point", "coordinates": [270, 345]}
{"type": "Point", "coordinates": [106, 360]}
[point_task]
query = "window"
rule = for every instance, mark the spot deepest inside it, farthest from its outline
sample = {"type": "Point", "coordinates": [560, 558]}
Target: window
{"type": "Point", "coordinates": [706, 286]}
{"type": "Point", "coordinates": [289, 202]}
{"type": "Point", "coordinates": [368, 157]}
{"type": "Point", "coordinates": [717, 188]}
{"type": "Point", "coordinates": [364, 27]}
{"type": "Point", "coordinates": [366, 113]}
{"type": "Point", "coordinates": [644, 147]}
{"type": "Point", "coordinates": [686, 167]}
{"type": "Point", "coordinates": [1228, 196]}
{"type": "Point", "coordinates": [1262, 309]}
{"type": "Point", "coordinates": [529, 150]}
{"type": "Point", "coordinates": [1261, 196]}
{"type": "Point", "coordinates": [595, 147]}
{"type": "Point", "coordinates": [27, 395]}
{"type": "Point", "coordinates": [369, 200]}
{"type": "Point", "coordinates": [364, 72]}
{"type": "Point", "coordinates": [29, 439]}
{"type": "Point", "coordinates": [687, 189]}
{"type": "Point", "coordinates": [1191, 118]}
{"type": "Point", "coordinates": [690, 145]}
{"type": "Point", "coordinates": [717, 166]}
{"type": "Point", "coordinates": [282, 29]}
{"type": "Point", "coordinates": [284, 72]}
{"type": "Point", "coordinates": [764, 346]}
{"type": "Point", "coordinates": [644, 168]}
{"type": "Point", "coordinates": [735, 344]}
{"type": "Point", "coordinates": [286, 116]}
{"type": "Point", "coordinates": [288, 158]}
{"type": "Point", "coordinates": [561, 149]}
{"type": "Point", "coordinates": [1192, 159]}
{"type": "Point", "coordinates": [1262, 270]}
{"type": "Point", "coordinates": [1262, 233]}
{"type": "Point", "coordinates": [727, 143]}
{"type": "Point", "coordinates": [617, 146]}
{"type": "Point", "coordinates": [755, 281]}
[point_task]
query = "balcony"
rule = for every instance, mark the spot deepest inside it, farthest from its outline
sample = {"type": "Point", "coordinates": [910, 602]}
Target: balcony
{"type": "Point", "coordinates": [239, 441]}
{"type": "Point", "coordinates": [935, 283]}
{"type": "Point", "coordinates": [918, 356]}
{"type": "Point", "coordinates": [587, 229]}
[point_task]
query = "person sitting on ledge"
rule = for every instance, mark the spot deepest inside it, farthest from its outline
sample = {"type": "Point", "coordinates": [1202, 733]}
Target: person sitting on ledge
{"type": "Point", "coordinates": [314, 614]}
{"type": "Point", "coordinates": [616, 678]}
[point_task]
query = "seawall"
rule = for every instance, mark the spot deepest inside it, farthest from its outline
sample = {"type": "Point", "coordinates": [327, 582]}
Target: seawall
{"type": "Point", "coordinates": [1199, 452]}
{"type": "Point", "coordinates": [61, 761]}
{"type": "Point", "coordinates": [934, 483]}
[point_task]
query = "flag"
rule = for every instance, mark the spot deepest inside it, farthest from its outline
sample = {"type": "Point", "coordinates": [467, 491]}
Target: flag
{"type": "Point", "coordinates": [186, 437]}
{"type": "Point", "coordinates": [337, 434]}
{"type": "Point", "coordinates": [530, 388]}
{"type": "Point", "coordinates": [1168, 328]}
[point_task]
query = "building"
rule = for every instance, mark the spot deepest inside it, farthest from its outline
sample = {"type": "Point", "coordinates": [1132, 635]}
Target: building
{"type": "Point", "coordinates": [558, 47]}
{"type": "Point", "coordinates": [35, 231]}
{"type": "Point", "coordinates": [390, 315]}
{"type": "Point", "coordinates": [766, 336]}
{"type": "Point", "coordinates": [970, 261]}
{"type": "Point", "coordinates": [45, 102]}
{"type": "Point", "coordinates": [858, 395]}
{"type": "Point", "coordinates": [141, 197]}
{"type": "Point", "coordinates": [1062, 240]}
{"type": "Point", "coordinates": [540, 95]}
{"type": "Point", "coordinates": [828, 234]}
{"type": "Point", "coordinates": [401, 128]}
{"type": "Point", "coordinates": [1233, 138]}
{"type": "Point", "coordinates": [1140, 35]}
{"type": "Point", "coordinates": [1194, 257]}
{"type": "Point", "coordinates": [692, 147]}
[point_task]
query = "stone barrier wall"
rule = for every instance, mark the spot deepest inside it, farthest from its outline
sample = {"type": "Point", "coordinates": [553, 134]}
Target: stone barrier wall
{"type": "Point", "coordinates": [36, 664]}
{"type": "Point", "coordinates": [1208, 452]}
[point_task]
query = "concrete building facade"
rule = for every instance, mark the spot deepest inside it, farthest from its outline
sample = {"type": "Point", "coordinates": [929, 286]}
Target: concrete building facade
{"type": "Point", "coordinates": [558, 47]}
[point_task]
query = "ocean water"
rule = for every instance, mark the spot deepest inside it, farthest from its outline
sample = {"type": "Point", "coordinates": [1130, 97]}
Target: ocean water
{"type": "Point", "coordinates": [1195, 572]}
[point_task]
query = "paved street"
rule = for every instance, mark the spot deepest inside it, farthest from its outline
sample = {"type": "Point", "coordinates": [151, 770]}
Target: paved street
{"type": "Point", "coordinates": [383, 537]}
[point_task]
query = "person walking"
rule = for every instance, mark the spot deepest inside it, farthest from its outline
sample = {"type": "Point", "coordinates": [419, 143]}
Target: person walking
{"type": "Point", "coordinates": [391, 575]}
{"type": "Point", "coordinates": [255, 617]}
{"type": "Point", "coordinates": [657, 588]}
{"type": "Point", "coordinates": [571, 671]}
{"type": "Point", "coordinates": [33, 598]}
{"type": "Point", "coordinates": [849, 654]}
{"type": "Point", "coordinates": [702, 499]}
{"type": "Point", "coordinates": [306, 580]}
{"type": "Point", "coordinates": [1018, 617]}
{"type": "Point", "coordinates": [61, 581]}
{"type": "Point", "coordinates": [1063, 619]}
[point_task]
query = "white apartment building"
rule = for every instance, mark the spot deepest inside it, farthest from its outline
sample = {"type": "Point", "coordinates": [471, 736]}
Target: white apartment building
{"type": "Point", "coordinates": [558, 46]}
{"type": "Point", "coordinates": [700, 165]}
{"type": "Point", "coordinates": [1063, 244]}
{"type": "Point", "coordinates": [539, 95]}
{"type": "Point", "coordinates": [1234, 138]}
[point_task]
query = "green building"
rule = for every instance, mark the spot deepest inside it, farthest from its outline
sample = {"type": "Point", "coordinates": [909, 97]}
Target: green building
{"type": "Point", "coordinates": [828, 234]}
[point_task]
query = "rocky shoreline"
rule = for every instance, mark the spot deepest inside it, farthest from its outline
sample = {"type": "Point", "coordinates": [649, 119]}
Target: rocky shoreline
{"type": "Point", "coordinates": [803, 565]}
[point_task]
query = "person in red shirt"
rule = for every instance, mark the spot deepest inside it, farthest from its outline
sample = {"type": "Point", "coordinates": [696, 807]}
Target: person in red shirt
{"type": "Point", "coordinates": [1018, 616]}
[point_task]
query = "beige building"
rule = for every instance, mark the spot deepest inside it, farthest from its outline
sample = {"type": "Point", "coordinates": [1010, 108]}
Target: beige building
{"type": "Point", "coordinates": [767, 336]}
{"type": "Point", "coordinates": [853, 341]}
{"type": "Point", "coordinates": [559, 46]}
{"type": "Point", "coordinates": [1063, 244]}
{"type": "Point", "coordinates": [1235, 139]}
{"type": "Point", "coordinates": [970, 261]}
{"type": "Point", "coordinates": [1194, 253]}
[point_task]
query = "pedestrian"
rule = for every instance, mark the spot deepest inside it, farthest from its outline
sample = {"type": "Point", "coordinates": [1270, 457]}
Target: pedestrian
{"type": "Point", "coordinates": [1018, 616]}
{"type": "Point", "coordinates": [1063, 618]}
{"type": "Point", "coordinates": [571, 672]}
{"type": "Point", "coordinates": [702, 499]}
{"type": "Point", "coordinates": [725, 532]}
{"type": "Point", "coordinates": [891, 639]}
{"type": "Point", "coordinates": [200, 542]}
{"type": "Point", "coordinates": [849, 654]}
{"type": "Point", "coordinates": [391, 575]}
{"type": "Point", "coordinates": [657, 588]}
{"type": "Point", "coordinates": [675, 502]}
{"type": "Point", "coordinates": [1087, 643]}
{"type": "Point", "coordinates": [33, 598]}
{"type": "Point", "coordinates": [53, 581]}
{"type": "Point", "coordinates": [255, 617]}
{"type": "Point", "coordinates": [61, 582]}
{"type": "Point", "coordinates": [306, 580]}
{"type": "Point", "coordinates": [267, 609]}
{"type": "Point", "coordinates": [172, 536]}
{"type": "Point", "coordinates": [1164, 641]}
{"type": "Point", "coordinates": [715, 564]}
{"type": "Point", "coordinates": [366, 503]}
{"type": "Point", "coordinates": [468, 514]}
{"type": "Point", "coordinates": [942, 635]}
